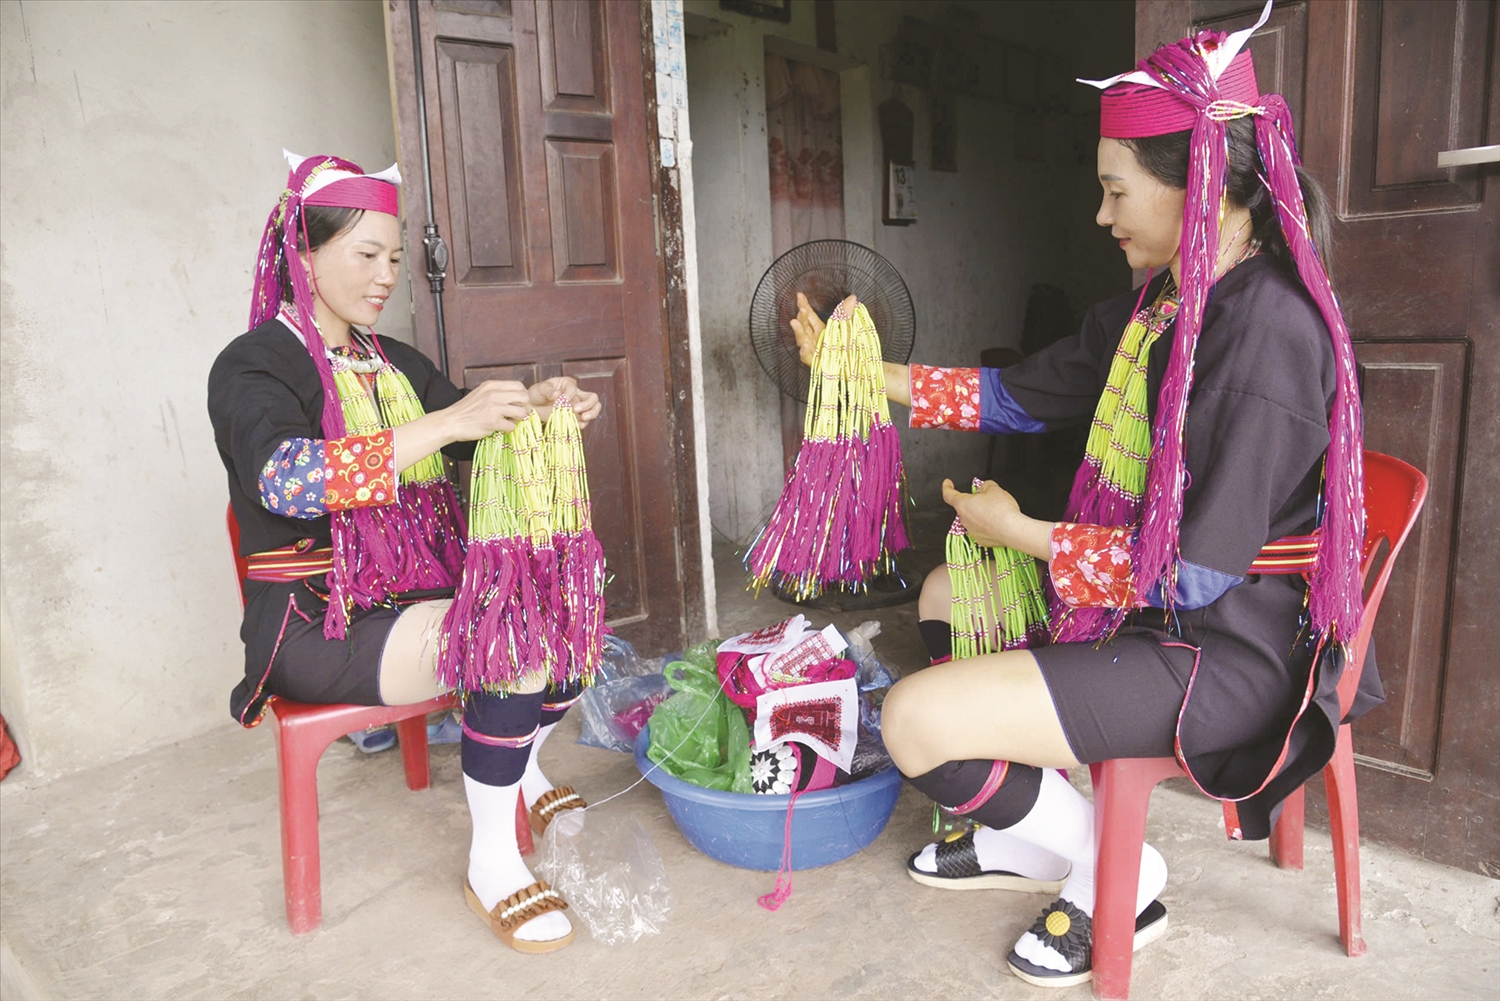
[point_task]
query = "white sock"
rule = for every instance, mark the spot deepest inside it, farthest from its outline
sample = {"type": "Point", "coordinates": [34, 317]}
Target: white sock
{"type": "Point", "coordinates": [534, 784]}
{"type": "Point", "coordinates": [1064, 821]}
{"type": "Point", "coordinates": [495, 867]}
{"type": "Point", "coordinates": [1003, 851]}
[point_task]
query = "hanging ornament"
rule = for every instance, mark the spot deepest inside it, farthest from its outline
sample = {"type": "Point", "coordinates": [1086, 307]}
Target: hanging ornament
{"type": "Point", "coordinates": [839, 520]}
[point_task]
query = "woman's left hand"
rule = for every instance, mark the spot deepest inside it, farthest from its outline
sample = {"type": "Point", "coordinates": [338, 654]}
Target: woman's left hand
{"type": "Point", "coordinates": [586, 405]}
{"type": "Point", "coordinates": [992, 517]}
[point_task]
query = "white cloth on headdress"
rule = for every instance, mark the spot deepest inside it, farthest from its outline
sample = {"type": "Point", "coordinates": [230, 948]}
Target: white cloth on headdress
{"type": "Point", "coordinates": [390, 175]}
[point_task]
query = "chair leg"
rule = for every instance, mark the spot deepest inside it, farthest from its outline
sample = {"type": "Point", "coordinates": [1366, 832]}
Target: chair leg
{"type": "Point", "coordinates": [523, 827]}
{"type": "Point", "coordinates": [297, 754]}
{"type": "Point", "coordinates": [1121, 797]}
{"type": "Point", "coordinates": [1286, 836]}
{"type": "Point", "coordinates": [1343, 822]}
{"type": "Point", "coordinates": [412, 735]}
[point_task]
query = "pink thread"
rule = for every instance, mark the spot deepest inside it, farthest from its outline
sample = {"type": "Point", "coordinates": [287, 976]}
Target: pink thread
{"type": "Point", "coordinates": [772, 901]}
{"type": "Point", "coordinates": [510, 742]}
{"type": "Point", "coordinates": [992, 784]}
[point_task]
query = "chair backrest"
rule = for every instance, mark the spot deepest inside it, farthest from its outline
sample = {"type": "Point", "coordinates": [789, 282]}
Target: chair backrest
{"type": "Point", "coordinates": [241, 565]}
{"type": "Point", "coordinates": [1394, 494]}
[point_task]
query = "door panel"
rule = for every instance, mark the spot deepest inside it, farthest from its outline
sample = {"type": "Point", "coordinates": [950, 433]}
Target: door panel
{"type": "Point", "coordinates": [1413, 393]}
{"type": "Point", "coordinates": [539, 142]}
{"type": "Point", "coordinates": [1416, 264]}
{"type": "Point", "coordinates": [574, 50]}
{"type": "Point", "coordinates": [1419, 88]}
{"type": "Point", "coordinates": [581, 181]}
{"type": "Point", "coordinates": [478, 100]}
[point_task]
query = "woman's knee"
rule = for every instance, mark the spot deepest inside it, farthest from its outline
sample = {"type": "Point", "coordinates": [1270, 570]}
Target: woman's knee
{"type": "Point", "coordinates": [936, 599]}
{"type": "Point", "coordinates": [904, 720]}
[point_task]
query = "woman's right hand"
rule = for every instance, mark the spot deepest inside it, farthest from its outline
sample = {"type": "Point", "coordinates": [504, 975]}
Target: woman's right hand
{"type": "Point", "coordinates": [807, 326]}
{"type": "Point", "coordinates": [493, 405]}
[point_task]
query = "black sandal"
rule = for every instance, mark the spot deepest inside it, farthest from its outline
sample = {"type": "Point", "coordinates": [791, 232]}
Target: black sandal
{"type": "Point", "coordinates": [1070, 932]}
{"type": "Point", "coordinates": [958, 869]}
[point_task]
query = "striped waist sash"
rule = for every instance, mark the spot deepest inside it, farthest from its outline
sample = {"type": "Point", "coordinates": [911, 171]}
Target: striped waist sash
{"type": "Point", "coordinates": [289, 563]}
{"type": "Point", "coordinates": [1287, 555]}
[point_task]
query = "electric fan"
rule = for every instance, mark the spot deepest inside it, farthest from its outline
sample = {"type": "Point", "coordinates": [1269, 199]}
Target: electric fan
{"type": "Point", "coordinates": [826, 272]}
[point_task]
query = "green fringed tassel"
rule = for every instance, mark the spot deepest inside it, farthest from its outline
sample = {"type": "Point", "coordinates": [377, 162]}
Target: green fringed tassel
{"type": "Point", "coordinates": [399, 404]}
{"type": "Point", "coordinates": [998, 602]}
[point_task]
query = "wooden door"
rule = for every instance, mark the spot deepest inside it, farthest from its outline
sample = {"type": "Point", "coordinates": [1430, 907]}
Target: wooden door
{"type": "Point", "coordinates": [1378, 90]}
{"type": "Point", "coordinates": [543, 189]}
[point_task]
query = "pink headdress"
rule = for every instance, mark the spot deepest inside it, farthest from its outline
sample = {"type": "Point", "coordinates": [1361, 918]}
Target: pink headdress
{"type": "Point", "coordinates": [1201, 83]}
{"type": "Point", "coordinates": [313, 180]}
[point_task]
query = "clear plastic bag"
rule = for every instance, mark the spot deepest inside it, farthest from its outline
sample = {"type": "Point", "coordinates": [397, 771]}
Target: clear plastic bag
{"type": "Point", "coordinates": [614, 711]}
{"type": "Point", "coordinates": [626, 690]}
{"type": "Point", "coordinates": [698, 735]}
{"type": "Point", "coordinates": [621, 661]}
{"type": "Point", "coordinates": [605, 865]}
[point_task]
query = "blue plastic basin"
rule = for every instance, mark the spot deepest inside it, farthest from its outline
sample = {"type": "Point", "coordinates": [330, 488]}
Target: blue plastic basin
{"type": "Point", "coordinates": [746, 830]}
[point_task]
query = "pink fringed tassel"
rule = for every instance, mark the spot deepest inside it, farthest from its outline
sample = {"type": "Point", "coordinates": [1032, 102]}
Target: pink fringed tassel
{"type": "Point", "coordinates": [1335, 598]}
{"type": "Point", "coordinates": [480, 644]}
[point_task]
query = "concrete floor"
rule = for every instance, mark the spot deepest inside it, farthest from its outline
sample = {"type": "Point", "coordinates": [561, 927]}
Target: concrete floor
{"type": "Point", "coordinates": [159, 877]}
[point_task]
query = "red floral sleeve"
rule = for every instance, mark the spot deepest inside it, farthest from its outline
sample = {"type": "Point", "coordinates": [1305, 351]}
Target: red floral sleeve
{"type": "Point", "coordinates": [945, 398]}
{"type": "Point", "coordinates": [1092, 566]}
{"type": "Point", "coordinates": [361, 470]}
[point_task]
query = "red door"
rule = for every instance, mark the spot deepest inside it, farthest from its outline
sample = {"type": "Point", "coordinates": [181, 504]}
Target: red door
{"type": "Point", "coordinates": [1378, 90]}
{"type": "Point", "coordinates": [542, 186]}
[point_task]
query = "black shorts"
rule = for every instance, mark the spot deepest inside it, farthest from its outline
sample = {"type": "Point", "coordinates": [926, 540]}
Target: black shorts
{"type": "Point", "coordinates": [1120, 700]}
{"type": "Point", "coordinates": [309, 668]}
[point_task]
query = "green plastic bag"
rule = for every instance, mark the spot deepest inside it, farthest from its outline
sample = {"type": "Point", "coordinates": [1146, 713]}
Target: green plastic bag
{"type": "Point", "coordinates": [698, 735]}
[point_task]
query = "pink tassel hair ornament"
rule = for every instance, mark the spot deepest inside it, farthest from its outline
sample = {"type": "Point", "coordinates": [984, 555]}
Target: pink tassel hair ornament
{"type": "Point", "coordinates": [1202, 83]}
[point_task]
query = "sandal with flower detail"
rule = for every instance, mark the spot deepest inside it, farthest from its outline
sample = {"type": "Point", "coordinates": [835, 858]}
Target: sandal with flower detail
{"type": "Point", "coordinates": [550, 804]}
{"type": "Point", "coordinates": [1070, 933]}
{"type": "Point", "coordinates": [957, 863]}
{"type": "Point", "coordinates": [507, 917]}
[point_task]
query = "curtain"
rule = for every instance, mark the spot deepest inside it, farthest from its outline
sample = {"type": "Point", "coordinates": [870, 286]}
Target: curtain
{"type": "Point", "coordinates": [804, 138]}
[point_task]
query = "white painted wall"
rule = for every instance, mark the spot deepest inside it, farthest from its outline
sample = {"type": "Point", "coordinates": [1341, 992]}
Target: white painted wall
{"type": "Point", "coordinates": [732, 203]}
{"type": "Point", "coordinates": [141, 153]}
{"type": "Point", "coordinates": [985, 234]}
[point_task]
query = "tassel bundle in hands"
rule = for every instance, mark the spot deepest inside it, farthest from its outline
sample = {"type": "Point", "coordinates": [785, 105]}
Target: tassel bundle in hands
{"type": "Point", "coordinates": [839, 520]}
{"type": "Point", "coordinates": [997, 595]}
{"type": "Point", "coordinates": [580, 558]}
{"type": "Point", "coordinates": [501, 629]}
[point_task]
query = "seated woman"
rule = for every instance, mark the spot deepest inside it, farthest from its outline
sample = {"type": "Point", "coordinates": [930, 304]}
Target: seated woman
{"type": "Point", "coordinates": [332, 438]}
{"type": "Point", "coordinates": [1225, 416]}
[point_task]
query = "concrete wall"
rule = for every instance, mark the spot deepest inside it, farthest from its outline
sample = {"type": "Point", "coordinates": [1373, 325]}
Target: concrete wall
{"type": "Point", "coordinates": [985, 234]}
{"type": "Point", "coordinates": [142, 152]}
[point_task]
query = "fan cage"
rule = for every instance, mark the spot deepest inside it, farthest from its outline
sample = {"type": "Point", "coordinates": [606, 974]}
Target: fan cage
{"type": "Point", "coordinates": [826, 271]}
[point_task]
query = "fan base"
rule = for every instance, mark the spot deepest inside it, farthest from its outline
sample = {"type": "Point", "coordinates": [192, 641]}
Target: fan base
{"type": "Point", "coordinates": [885, 590]}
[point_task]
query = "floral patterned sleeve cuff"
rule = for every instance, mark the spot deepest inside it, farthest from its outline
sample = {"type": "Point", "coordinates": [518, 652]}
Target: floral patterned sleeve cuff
{"type": "Point", "coordinates": [308, 478]}
{"type": "Point", "coordinates": [361, 470]}
{"type": "Point", "coordinates": [1092, 566]}
{"type": "Point", "coordinates": [945, 398]}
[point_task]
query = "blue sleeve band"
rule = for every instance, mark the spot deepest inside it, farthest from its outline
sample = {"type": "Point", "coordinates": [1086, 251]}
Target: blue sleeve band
{"type": "Point", "coordinates": [999, 413]}
{"type": "Point", "coordinates": [1197, 587]}
{"type": "Point", "coordinates": [291, 482]}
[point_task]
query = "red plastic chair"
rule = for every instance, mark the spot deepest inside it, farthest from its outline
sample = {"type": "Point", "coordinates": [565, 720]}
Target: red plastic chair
{"type": "Point", "coordinates": [1394, 492]}
{"type": "Point", "coordinates": [303, 733]}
